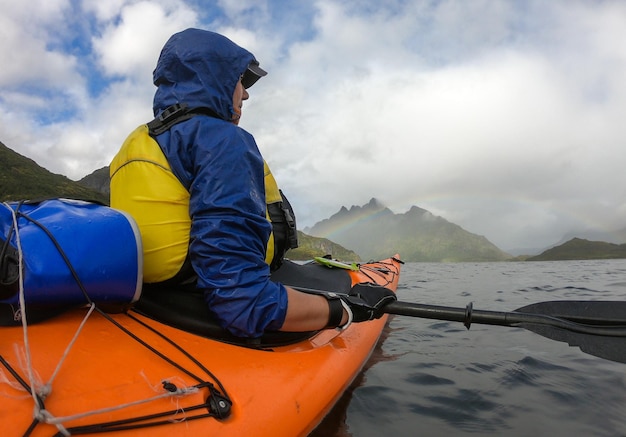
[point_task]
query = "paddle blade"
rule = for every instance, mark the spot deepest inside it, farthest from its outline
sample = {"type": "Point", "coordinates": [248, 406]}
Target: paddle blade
{"type": "Point", "coordinates": [609, 314]}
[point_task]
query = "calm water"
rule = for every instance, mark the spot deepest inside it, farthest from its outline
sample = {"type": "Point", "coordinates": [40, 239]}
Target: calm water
{"type": "Point", "coordinates": [434, 378]}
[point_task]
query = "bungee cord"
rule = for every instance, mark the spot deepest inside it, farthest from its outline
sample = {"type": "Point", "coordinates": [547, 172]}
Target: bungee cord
{"type": "Point", "coordinates": [41, 391]}
{"type": "Point", "coordinates": [381, 272]}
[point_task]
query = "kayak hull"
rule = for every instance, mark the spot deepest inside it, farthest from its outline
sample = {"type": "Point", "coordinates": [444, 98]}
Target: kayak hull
{"type": "Point", "coordinates": [110, 377]}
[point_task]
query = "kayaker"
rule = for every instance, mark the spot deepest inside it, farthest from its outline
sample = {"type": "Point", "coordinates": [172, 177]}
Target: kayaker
{"type": "Point", "coordinates": [206, 202]}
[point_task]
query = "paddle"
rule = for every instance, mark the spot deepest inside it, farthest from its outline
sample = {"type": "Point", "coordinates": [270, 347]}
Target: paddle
{"type": "Point", "coordinates": [596, 327]}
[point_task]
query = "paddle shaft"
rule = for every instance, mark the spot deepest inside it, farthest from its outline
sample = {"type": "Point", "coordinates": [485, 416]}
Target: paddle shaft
{"type": "Point", "coordinates": [465, 315]}
{"type": "Point", "coordinates": [468, 316]}
{"type": "Point", "coordinates": [596, 327]}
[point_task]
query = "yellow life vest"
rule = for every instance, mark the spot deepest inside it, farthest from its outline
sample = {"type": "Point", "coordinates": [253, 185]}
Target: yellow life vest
{"type": "Point", "coordinates": [143, 184]}
{"type": "Point", "coordinates": [272, 196]}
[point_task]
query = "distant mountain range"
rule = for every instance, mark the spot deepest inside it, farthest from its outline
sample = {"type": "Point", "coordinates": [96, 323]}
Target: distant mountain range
{"type": "Point", "coordinates": [374, 232]}
{"type": "Point", "coordinates": [371, 231]}
{"type": "Point", "coordinates": [616, 237]}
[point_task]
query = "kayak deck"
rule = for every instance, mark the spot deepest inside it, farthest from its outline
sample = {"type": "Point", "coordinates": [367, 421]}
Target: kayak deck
{"type": "Point", "coordinates": [126, 371]}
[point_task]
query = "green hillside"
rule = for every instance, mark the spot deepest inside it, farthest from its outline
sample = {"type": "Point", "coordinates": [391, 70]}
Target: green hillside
{"type": "Point", "coordinates": [21, 178]}
{"type": "Point", "coordinates": [580, 249]}
{"type": "Point", "coordinates": [310, 247]}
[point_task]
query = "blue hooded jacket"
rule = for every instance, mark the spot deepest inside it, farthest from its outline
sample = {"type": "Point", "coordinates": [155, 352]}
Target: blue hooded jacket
{"type": "Point", "coordinates": [221, 166]}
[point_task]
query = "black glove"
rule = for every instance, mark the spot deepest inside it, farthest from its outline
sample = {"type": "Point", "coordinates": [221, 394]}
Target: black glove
{"type": "Point", "coordinates": [367, 301]}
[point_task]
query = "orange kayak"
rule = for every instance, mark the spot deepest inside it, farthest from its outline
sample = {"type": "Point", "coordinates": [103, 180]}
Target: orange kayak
{"type": "Point", "coordinates": [153, 371]}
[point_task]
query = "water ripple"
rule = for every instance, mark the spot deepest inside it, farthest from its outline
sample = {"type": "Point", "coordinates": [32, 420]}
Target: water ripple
{"type": "Point", "coordinates": [427, 379]}
{"type": "Point", "coordinates": [466, 410]}
{"type": "Point", "coordinates": [529, 371]}
{"type": "Point", "coordinates": [492, 380]}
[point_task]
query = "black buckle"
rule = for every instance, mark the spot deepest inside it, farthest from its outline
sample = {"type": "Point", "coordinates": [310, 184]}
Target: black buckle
{"type": "Point", "coordinates": [172, 112]}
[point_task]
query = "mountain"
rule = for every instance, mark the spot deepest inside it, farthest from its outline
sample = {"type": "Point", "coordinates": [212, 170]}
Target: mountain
{"type": "Point", "coordinates": [22, 178]}
{"type": "Point", "coordinates": [617, 237]}
{"type": "Point", "coordinates": [374, 232]}
{"type": "Point", "coordinates": [98, 180]}
{"type": "Point", "coordinates": [310, 247]}
{"type": "Point", "coordinates": [579, 249]}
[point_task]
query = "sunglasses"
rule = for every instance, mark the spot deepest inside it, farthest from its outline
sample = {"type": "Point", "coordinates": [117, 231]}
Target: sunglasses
{"type": "Point", "coordinates": [252, 74]}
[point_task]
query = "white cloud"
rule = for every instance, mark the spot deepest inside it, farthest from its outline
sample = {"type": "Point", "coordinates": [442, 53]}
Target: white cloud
{"type": "Point", "coordinates": [503, 117]}
{"type": "Point", "coordinates": [26, 45]}
{"type": "Point", "coordinates": [510, 122]}
{"type": "Point", "coordinates": [234, 10]}
{"type": "Point", "coordinates": [45, 78]}
{"type": "Point", "coordinates": [130, 46]}
{"type": "Point", "coordinates": [104, 11]}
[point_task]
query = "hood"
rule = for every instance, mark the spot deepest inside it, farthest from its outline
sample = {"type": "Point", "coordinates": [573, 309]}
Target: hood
{"type": "Point", "coordinates": [200, 68]}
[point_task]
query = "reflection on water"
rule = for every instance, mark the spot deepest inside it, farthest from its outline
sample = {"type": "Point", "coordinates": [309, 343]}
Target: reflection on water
{"type": "Point", "coordinates": [432, 378]}
{"type": "Point", "coordinates": [334, 424]}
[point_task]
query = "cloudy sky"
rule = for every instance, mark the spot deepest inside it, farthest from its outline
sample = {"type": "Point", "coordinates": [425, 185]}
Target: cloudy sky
{"type": "Point", "coordinates": [505, 117]}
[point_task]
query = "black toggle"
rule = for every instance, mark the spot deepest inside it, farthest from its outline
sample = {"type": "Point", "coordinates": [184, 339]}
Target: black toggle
{"type": "Point", "coordinates": [219, 405]}
{"type": "Point", "coordinates": [169, 386]}
{"type": "Point", "coordinates": [468, 315]}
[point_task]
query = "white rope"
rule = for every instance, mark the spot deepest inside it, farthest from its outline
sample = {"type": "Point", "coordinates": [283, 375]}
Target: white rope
{"type": "Point", "coordinates": [45, 416]}
{"type": "Point", "coordinates": [92, 307]}
{"type": "Point", "coordinates": [22, 300]}
{"type": "Point", "coordinates": [14, 385]}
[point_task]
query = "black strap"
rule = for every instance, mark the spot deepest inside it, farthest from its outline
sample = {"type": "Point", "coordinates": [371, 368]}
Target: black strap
{"type": "Point", "coordinates": [175, 114]}
{"type": "Point", "coordinates": [9, 267]}
{"type": "Point", "coordinates": [335, 313]}
{"type": "Point", "coordinates": [284, 229]}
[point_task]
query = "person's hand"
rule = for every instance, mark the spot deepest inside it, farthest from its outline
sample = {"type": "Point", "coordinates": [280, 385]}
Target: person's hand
{"type": "Point", "coordinates": [367, 301]}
